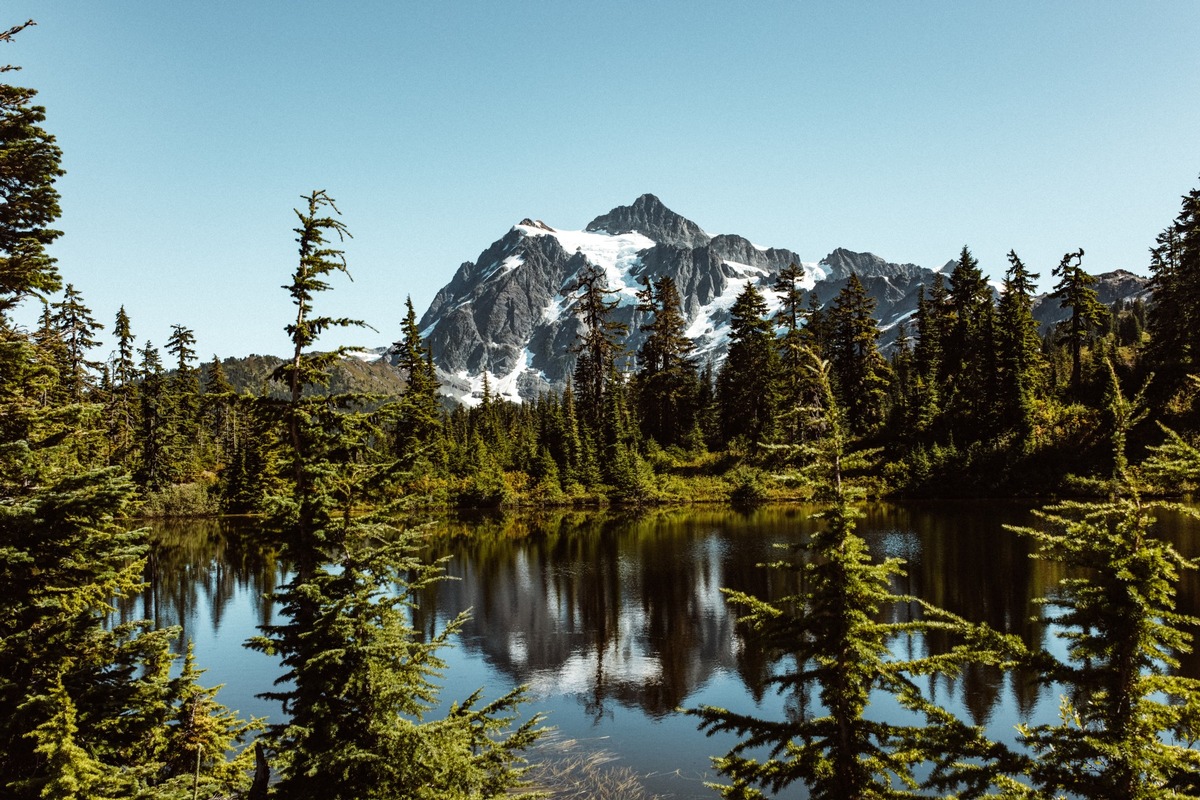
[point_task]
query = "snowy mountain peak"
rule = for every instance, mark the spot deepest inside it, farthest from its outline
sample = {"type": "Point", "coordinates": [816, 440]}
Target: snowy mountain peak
{"type": "Point", "coordinates": [648, 216]}
{"type": "Point", "coordinates": [510, 314]}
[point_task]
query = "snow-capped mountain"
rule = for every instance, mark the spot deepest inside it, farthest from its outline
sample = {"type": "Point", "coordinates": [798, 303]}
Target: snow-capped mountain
{"type": "Point", "coordinates": [510, 314]}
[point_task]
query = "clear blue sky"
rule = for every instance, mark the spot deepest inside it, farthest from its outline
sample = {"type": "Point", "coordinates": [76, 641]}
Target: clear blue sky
{"type": "Point", "coordinates": [906, 129]}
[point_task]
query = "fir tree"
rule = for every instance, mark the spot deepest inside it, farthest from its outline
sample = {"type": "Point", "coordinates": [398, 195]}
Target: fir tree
{"type": "Point", "coordinates": [77, 331]}
{"type": "Point", "coordinates": [859, 371]}
{"type": "Point", "coordinates": [598, 347]}
{"type": "Point", "coordinates": [359, 679]}
{"type": "Point", "coordinates": [1174, 324]}
{"type": "Point", "coordinates": [183, 423]}
{"type": "Point", "coordinates": [746, 384]}
{"type": "Point", "coordinates": [1075, 290]}
{"type": "Point", "coordinates": [666, 382]}
{"type": "Point", "coordinates": [829, 632]}
{"type": "Point", "coordinates": [795, 384]}
{"type": "Point", "coordinates": [29, 164]}
{"type": "Point", "coordinates": [968, 377]}
{"type": "Point", "coordinates": [122, 401]}
{"type": "Point", "coordinates": [155, 468]}
{"type": "Point", "coordinates": [419, 413]}
{"type": "Point", "coordinates": [1019, 348]}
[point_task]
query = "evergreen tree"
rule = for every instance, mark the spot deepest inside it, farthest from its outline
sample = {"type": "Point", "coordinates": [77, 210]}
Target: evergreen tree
{"type": "Point", "coordinates": [933, 328]}
{"type": "Point", "coordinates": [834, 644]}
{"type": "Point", "coordinates": [1075, 290]}
{"type": "Point", "coordinates": [220, 412]}
{"type": "Point", "coordinates": [968, 378]}
{"type": "Point", "coordinates": [82, 703]}
{"type": "Point", "coordinates": [359, 679]}
{"type": "Point", "coordinates": [666, 382]}
{"type": "Point", "coordinates": [77, 331]}
{"type": "Point", "coordinates": [1019, 348]}
{"type": "Point", "coordinates": [598, 348]}
{"type": "Point", "coordinates": [155, 468]}
{"type": "Point", "coordinates": [795, 378]}
{"type": "Point", "coordinates": [122, 402]}
{"type": "Point", "coordinates": [1174, 324]}
{"type": "Point", "coordinates": [903, 394]}
{"type": "Point", "coordinates": [746, 384]}
{"type": "Point", "coordinates": [183, 423]}
{"type": "Point", "coordinates": [859, 371]}
{"type": "Point", "coordinates": [29, 164]}
{"type": "Point", "coordinates": [419, 418]}
{"type": "Point", "coordinates": [1126, 720]}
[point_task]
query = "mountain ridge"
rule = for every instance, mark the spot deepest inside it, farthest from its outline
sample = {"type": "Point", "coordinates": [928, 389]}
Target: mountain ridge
{"type": "Point", "coordinates": [509, 313]}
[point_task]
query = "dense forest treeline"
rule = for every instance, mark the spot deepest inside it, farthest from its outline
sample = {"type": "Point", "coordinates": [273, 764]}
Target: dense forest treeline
{"type": "Point", "coordinates": [972, 399]}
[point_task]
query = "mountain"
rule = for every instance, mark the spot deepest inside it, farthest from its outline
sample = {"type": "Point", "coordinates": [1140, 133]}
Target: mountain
{"type": "Point", "coordinates": [510, 313]}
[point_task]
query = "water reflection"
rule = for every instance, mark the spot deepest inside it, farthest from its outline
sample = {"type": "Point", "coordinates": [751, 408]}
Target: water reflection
{"type": "Point", "coordinates": [615, 621]}
{"type": "Point", "coordinates": [199, 567]}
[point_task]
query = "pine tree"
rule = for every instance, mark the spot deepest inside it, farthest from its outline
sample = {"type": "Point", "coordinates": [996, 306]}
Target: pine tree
{"type": "Point", "coordinates": [419, 414]}
{"type": "Point", "coordinates": [122, 403]}
{"type": "Point", "coordinates": [795, 385]}
{"type": "Point", "coordinates": [1019, 348]}
{"type": "Point", "coordinates": [968, 377]}
{"type": "Point", "coordinates": [1075, 290]}
{"type": "Point", "coordinates": [746, 384]}
{"type": "Point", "coordinates": [1127, 722]}
{"type": "Point", "coordinates": [220, 413]}
{"type": "Point", "coordinates": [155, 468]}
{"type": "Point", "coordinates": [183, 423]}
{"type": "Point", "coordinates": [359, 679]}
{"type": "Point", "coordinates": [78, 698]}
{"type": "Point", "coordinates": [666, 382]}
{"type": "Point", "coordinates": [29, 164]}
{"type": "Point", "coordinates": [77, 330]}
{"type": "Point", "coordinates": [1174, 324]}
{"type": "Point", "coordinates": [598, 348]}
{"type": "Point", "coordinates": [859, 371]}
{"type": "Point", "coordinates": [933, 328]}
{"type": "Point", "coordinates": [829, 632]}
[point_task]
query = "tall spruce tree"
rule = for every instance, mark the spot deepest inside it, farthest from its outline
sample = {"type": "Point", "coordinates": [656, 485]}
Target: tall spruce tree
{"type": "Point", "coordinates": [747, 381]}
{"type": "Point", "coordinates": [1019, 348]}
{"type": "Point", "coordinates": [599, 345]}
{"type": "Point", "coordinates": [419, 412]}
{"type": "Point", "coordinates": [968, 377]}
{"type": "Point", "coordinates": [859, 370]}
{"type": "Point", "coordinates": [359, 679]}
{"type": "Point", "coordinates": [77, 331]}
{"type": "Point", "coordinates": [795, 384]}
{"type": "Point", "coordinates": [122, 400]}
{"type": "Point", "coordinates": [666, 383]}
{"type": "Point", "coordinates": [85, 707]}
{"type": "Point", "coordinates": [1076, 290]}
{"type": "Point", "coordinates": [183, 422]}
{"type": "Point", "coordinates": [1174, 324]}
{"type": "Point", "coordinates": [1127, 722]}
{"type": "Point", "coordinates": [933, 329]}
{"type": "Point", "coordinates": [828, 638]}
{"type": "Point", "coordinates": [30, 163]}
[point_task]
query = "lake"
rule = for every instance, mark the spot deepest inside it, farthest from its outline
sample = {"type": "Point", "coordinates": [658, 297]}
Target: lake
{"type": "Point", "coordinates": [615, 621]}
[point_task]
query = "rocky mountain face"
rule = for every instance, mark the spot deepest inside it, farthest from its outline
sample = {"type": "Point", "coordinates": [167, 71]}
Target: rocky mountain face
{"type": "Point", "coordinates": [510, 312]}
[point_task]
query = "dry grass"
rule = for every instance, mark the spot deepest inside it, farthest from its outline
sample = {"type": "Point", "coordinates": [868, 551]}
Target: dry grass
{"type": "Point", "coordinates": [574, 769]}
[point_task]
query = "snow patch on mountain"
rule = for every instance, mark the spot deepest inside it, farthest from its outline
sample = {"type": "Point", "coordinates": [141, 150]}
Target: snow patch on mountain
{"type": "Point", "coordinates": [618, 255]}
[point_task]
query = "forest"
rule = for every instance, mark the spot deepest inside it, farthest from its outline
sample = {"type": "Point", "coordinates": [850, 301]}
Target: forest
{"type": "Point", "coordinates": [974, 400]}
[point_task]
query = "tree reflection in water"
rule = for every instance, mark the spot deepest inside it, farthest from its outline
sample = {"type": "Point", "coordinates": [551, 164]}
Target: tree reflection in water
{"type": "Point", "coordinates": [620, 617]}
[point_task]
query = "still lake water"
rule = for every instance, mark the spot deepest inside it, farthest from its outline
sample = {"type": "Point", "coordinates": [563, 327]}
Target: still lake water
{"type": "Point", "coordinates": [615, 621]}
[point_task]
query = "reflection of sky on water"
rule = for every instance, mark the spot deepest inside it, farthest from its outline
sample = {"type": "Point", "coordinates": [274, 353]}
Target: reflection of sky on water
{"type": "Point", "coordinates": [614, 626]}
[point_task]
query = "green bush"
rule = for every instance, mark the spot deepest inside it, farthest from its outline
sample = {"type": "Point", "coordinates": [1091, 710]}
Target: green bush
{"type": "Point", "coordinates": [180, 500]}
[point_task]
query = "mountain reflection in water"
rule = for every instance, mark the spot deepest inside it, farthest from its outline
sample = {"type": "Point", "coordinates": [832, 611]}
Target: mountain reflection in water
{"type": "Point", "coordinates": [616, 621]}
